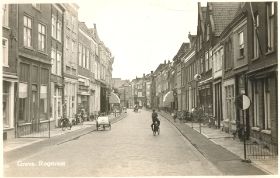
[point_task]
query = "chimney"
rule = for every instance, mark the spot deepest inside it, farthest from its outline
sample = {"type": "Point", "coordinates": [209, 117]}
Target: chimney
{"type": "Point", "coordinates": [94, 25]}
{"type": "Point", "coordinates": [164, 61]}
{"type": "Point", "coordinates": [152, 72]}
{"type": "Point", "coordinates": [168, 61]}
{"type": "Point", "coordinates": [144, 75]}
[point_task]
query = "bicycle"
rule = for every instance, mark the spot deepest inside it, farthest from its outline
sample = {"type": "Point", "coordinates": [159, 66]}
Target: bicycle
{"type": "Point", "coordinates": [65, 123]}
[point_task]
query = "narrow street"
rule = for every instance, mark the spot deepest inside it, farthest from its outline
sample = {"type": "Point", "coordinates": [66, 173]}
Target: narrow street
{"type": "Point", "coordinates": [129, 149]}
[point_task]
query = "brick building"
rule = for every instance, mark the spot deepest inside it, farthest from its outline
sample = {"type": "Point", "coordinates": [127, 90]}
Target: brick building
{"type": "Point", "coordinates": [70, 59]}
{"type": "Point", "coordinates": [10, 74]}
{"type": "Point", "coordinates": [262, 73]}
{"type": "Point", "coordinates": [34, 67]}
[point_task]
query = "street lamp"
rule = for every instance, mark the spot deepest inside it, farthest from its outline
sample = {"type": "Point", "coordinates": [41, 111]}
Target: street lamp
{"type": "Point", "coordinates": [197, 78]}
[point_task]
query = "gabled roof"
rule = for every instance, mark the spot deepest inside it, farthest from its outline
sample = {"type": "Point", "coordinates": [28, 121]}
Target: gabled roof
{"type": "Point", "coordinates": [223, 14]}
{"type": "Point", "coordinates": [185, 47]}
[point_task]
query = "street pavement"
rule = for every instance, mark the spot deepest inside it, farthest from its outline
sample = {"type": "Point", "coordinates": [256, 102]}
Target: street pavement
{"type": "Point", "coordinates": [128, 149]}
{"type": "Point", "coordinates": [222, 150]}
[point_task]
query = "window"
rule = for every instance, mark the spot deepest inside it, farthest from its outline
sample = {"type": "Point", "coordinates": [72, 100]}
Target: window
{"type": "Point", "coordinates": [84, 57]}
{"type": "Point", "coordinates": [5, 102]}
{"type": "Point", "coordinates": [27, 31]}
{"type": "Point", "coordinates": [80, 55]}
{"type": "Point", "coordinates": [208, 32]}
{"type": "Point", "coordinates": [41, 37]}
{"type": "Point", "coordinates": [5, 52]}
{"type": "Point", "coordinates": [201, 65]}
{"type": "Point", "coordinates": [59, 26]}
{"type": "Point", "coordinates": [241, 44]}
{"type": "Point", "coordinates": [256, 40]}
{"type": "Point", "coordinates": [37, 6]}
{"type": "Point", "coordinates": [54, 26]}
{"type": "Point", "coordinates": [230, 107]}
{"type": "Point", "coordinates": [270, 26]}
{"type": "Point", "coordinates": [43, 102]}
{"type": "Point", "coordinates": [256, 104]}
{"type": "Point", "coordinates": [206, 62]}
{"type": "Point", "coordinates": [210, 59]}
{"type": "Point", "coordinates": [23, 105]}
{"type": "Point", "coordinates": [58, 59]}
{"type": "Point", "coordinates": [267, 107]}
{"type": "Point", "coordinates": [5, 17]}
{"type": "Point", "coordinates": [87, 59]}
{"type": "Point", "coordinates": [53, 56]}
{"type": "Point", "coordinates": [67, 42]}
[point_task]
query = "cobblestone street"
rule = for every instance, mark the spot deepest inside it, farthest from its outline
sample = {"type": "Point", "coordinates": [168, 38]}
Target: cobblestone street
{"type": "Point", "coordinates": [129, 149]}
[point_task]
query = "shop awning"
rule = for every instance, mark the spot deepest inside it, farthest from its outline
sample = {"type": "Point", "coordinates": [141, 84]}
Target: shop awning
{"type": "Point", "coordinates": [114, 98]}
{"type": "Point", "coordinates": [168, 98]}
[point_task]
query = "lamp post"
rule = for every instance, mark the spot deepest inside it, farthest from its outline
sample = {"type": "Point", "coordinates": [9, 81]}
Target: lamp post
{"type": "Point", "coordinates": [197, 78]}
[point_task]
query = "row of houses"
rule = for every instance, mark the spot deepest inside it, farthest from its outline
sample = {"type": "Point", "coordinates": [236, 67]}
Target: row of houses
{"type": "Point", "coordinates": [53, 65]}
{"type": "Point", "coordinates": [233, 53]}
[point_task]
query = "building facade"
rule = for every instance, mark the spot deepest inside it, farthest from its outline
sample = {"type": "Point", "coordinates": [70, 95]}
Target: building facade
{"type": "Point", "coordinates": [70, 66]}
{"type": "Point", "coordinates": [10, 74]}
{"type": "Point", "coordinates": [34, 68]}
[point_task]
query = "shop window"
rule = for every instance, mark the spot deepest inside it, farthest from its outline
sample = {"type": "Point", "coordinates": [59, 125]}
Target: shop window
{"type": "Point", "coordinates": [43, 102]}
{"type": "Point", "coordinates": [23, 107]}
{"type": "Point", "coordinates": [5, 102]}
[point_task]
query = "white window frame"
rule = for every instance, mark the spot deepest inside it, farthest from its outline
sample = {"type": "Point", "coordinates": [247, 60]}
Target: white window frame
{"type": "Point", "coordinates": [83, 57]}
{"type": "Point", "coordinates": [41, 37]}
{"type": "Point", "coordinates": [270, 26]}
{"type": "Point", "coordinates": [5, 48]}
{"type": "Point", "coordinates": [256, 40]}
{"type": "Point", "coordinates": [58, 60]}
{"type": "Point", "coordinates": [53, 58]}
{"type": "Point", "coordinates": [5, 17]}
{"type": "Point", "coordinates": [27, 31]}
{"type": "Point", "coordinates": [241, 43]}
{"type": "Point", "coordinates": [54, 23]}
{"type": "Point", "coordinates": [206, 61]}
{"type": "Point", "coordinates": [210, 59]}
{"type": "Point", "coordinates": [59, 30]}
{"type": "Point", "coordinates": [80, 55]}
{"type": "Point", "coordinates": [267, 107]}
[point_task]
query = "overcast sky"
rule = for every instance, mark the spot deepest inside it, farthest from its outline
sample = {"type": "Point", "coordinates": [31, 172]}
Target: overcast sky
{"type": "Point", "coordinates": [141, 34]}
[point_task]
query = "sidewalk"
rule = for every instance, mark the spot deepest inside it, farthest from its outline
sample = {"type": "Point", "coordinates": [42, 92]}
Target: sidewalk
{"type": "Point", "coordinates": [225, 140]}
{"type": "Point", "coordinates": [17, 143]}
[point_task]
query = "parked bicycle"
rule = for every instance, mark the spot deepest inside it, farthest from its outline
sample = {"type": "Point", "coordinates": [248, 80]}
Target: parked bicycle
{"type": "Point", "coordinates": [65, 123]}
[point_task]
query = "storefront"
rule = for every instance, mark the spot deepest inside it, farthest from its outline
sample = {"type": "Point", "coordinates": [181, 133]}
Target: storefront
{"type": "Point", "coordinates": [9, 85]}
{"type": "Point", "coordinates": [33, 99]}
{"type": "Point", "coordinates": [206, 98]}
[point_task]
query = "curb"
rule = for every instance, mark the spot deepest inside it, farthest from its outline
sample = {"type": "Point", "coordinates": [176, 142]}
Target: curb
{"type": "Point", "coordinates": [114, 120]}
{"type": "Point", "coordinates": [252, 163]}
